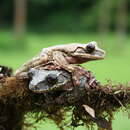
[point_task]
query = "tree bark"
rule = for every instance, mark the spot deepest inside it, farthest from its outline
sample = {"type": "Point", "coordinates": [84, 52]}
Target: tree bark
{"type": "Point", "coordinates": [104, 16]}
{"type": "Point", "coordinates": [121, 24]}
{"type": "Point", "coordinates": [16, 100]}
{"type": "Point", "coordinates": [20, 17]}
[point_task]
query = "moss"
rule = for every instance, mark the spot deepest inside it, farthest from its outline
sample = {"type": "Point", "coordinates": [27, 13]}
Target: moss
{"type": "Point", "coordinates": [16, 100]}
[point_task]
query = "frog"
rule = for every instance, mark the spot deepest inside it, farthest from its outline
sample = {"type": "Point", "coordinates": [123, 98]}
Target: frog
{"type": "Point", "coordinates": [52, 78]}
{"type": "Point", "coordinates": [43, 81]}
{"type": "Point", "coordinates": [65, 56]}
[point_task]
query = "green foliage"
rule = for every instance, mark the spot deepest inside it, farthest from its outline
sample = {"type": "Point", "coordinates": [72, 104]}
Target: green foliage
{"type": "Point", "coordinates": [64, 15]}
{"type": "Point", "coordinates": [115, 66]}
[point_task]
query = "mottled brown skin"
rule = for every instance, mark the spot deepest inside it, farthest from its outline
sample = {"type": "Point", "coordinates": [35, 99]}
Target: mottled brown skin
{"type": "Point", "coordinates": [65, 55]}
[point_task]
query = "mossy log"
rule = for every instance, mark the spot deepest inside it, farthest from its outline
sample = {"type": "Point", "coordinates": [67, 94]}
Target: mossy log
{"type": "Point", "coordinates": [16, 100]}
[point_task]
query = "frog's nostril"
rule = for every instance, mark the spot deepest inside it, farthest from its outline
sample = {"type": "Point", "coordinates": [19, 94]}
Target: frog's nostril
{"type": "Point", "coordinates": [51, 79]}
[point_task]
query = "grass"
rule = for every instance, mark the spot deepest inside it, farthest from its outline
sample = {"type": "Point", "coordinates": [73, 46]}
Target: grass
{"type": "Point", "coordinates": [114, 67]}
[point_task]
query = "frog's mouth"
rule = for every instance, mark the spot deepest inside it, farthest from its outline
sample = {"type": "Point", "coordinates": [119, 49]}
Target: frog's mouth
{"type": "Point", "coordinates": [47, 80]}
{"type": "Point", "coordinates": [43, 87]}
{"type": "Point", "coordinates": [43, 80]}
{"type": "Point", "coordinates": [97, 54]}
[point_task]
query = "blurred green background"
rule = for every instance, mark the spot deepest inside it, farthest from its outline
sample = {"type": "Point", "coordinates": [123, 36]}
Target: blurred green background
{"type": "Point", "coordinates": [27, 26]}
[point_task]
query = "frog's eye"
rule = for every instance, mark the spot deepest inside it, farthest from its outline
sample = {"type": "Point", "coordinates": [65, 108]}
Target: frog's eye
{"type": "Point", "coordinates": [51, 79]}
{"type": "Point", "coordinates": [90, 48]}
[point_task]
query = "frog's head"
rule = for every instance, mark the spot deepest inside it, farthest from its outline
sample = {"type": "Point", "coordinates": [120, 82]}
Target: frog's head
{"type": "Point", "coordinates": [86, 52]}
{"type": "Point", "coordinates": [46, 80]}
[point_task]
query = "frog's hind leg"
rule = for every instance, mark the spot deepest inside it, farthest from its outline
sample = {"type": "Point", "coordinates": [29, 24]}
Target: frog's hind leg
{"type": "Point", "coordinates": [61, 61]}
{"type": "Point", "coordinates": [31, 64]}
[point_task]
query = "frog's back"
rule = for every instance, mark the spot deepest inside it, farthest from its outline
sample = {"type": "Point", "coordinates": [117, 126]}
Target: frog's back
{"type": "Point", "coordinates": [63, 47]}
{"type": "Point", "coordinates": [44, 54]}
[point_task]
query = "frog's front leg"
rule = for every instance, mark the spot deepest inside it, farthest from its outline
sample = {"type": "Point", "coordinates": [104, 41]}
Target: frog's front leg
{"type": "Point", "coordinates": [60, 60]}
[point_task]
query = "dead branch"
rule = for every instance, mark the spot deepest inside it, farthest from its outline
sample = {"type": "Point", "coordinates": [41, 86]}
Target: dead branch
{"type": "Point", "coordinates": [89, 102]}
